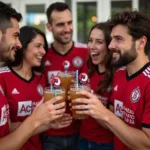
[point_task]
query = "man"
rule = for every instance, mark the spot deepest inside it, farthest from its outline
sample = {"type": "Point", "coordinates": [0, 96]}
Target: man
{"type": "Point", "coordinates": [62, 49]}
{"type": "Point", "coordinates": [130, 46]}
{"type": "Point", "coordinates": [44, 113]}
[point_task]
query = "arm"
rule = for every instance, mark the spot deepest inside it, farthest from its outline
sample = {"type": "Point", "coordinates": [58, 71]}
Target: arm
{"type": "Point", "coordinates": [18, 137]}
{"type": "Point", "coordinates": [135, 139]}
{"type": "Point", "coordinates": [44, 113]}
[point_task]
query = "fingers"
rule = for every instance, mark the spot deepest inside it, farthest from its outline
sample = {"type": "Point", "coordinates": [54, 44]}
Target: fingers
{"type": "Point", "coordinates": [82, 100]}
{"type": "Point", "coordinates": [55, 99]}
{"type": "Point", "coordinates": [81, 106]}
{"type": "Point", "coordinates": [87, 94]}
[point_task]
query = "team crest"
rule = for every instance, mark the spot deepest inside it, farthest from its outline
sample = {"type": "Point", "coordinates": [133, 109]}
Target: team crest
{"type": "Point", "coordinates": [40, 90]}
{"type": "Point", "coordinates": [77, 62]}
{"type": "Point", "coordinates": [135, 95]}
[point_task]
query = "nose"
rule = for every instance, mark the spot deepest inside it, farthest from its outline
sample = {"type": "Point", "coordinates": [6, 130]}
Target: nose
{"type": "Point", "coordinates": [67, 28]}
{"type": "Point", "coordinates": [91, 45]}
{"type": "Point", "coordinates": [18, 44]}
{"type": "Point", "coordinates": [43, 51]}
{"type": "Point", "coordinates": [111, 45]}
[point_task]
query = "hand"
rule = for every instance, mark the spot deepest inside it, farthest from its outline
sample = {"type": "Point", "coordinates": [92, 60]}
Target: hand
{"type": "Point", "coordinates": [91, 106]}
{"type": "Point", "coordinates": [48, 111]}
{"type": "Point", "coordinates": [65, 122]}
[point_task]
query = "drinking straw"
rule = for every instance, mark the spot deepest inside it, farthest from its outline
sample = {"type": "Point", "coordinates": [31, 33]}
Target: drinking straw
{"type": "Point", "coordinates": [77, 73]}
{"type": "Point", "coordinates": [55, 92]}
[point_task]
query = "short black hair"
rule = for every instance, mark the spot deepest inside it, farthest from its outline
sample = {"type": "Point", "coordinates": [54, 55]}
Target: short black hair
{"type": "Point", "coordinates": [58, 6]}
{"type": "Point", "coordinates": [6, 14]}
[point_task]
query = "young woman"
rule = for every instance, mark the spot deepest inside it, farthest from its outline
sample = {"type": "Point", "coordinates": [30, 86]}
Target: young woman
{"type": "Point", "coordinates": [92, 135]}
{"type": "Point", "coordinates": [23, 81]}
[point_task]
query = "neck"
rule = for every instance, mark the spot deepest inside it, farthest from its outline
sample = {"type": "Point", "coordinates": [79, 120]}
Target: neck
{"type": "Point", "coordinates": [101, 68]}
{"type": "Point", "coordinates": [62, 48]}
{"type": "Point", "coordinates": [24, 71]}
{"type": "Point", "coordinates": [137, 64]}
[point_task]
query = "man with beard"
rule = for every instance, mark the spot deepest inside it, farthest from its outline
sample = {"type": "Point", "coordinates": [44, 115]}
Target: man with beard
{"type": "Point", "coordinates": [43, 114]}
{"type": "Point", "coordinates": [130, 46]}
{"type": "Point", "coordinates": [62, 49]}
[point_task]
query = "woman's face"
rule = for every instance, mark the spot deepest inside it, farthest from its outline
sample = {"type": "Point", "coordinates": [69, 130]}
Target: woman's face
{"type": "Point", "coordinates": [35, 51]}
{"type": "Point", "coordinates": [97, 46]}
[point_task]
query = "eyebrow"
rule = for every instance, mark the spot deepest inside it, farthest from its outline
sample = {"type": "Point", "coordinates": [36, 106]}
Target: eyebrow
{"type": "Point", "coordinates": [117, 36]}
{"type": "Point", "coordinates": [16, 33]}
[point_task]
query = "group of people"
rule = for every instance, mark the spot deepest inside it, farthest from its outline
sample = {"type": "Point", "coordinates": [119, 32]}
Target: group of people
{"type": "Point", "coordinates": [116, 60]}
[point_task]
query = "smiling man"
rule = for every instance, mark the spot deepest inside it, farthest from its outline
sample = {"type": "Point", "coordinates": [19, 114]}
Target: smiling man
{"type": "Point", "coordinates": [63, 49]}
{"type": "Point", "coordinates": [130, 47]}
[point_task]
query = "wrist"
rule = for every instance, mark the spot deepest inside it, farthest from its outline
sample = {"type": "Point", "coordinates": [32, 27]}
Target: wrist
{"type": "Point", "coordinates": [33, 122]}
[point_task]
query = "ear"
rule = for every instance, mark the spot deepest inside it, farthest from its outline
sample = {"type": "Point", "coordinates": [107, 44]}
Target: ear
{"type": "Point", "coordinates": [49, 27]}
{"type": "Point", "coordinates": [142, 42]}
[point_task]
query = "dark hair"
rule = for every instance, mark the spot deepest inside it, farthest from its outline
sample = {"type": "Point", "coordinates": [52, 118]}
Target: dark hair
{"type": "Point", "coordinates": [6, 14]}
{"type": "Point", "coordinates": [27, 34]}
{"type": "Point", "coordinates": [137, 23]}
{"type": "Point", "coordinates": [105, 83]}
{"type": "Point", "coordinates": [58, 6]}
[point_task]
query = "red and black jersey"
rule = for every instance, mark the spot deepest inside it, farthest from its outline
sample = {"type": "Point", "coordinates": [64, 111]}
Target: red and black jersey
{"type": "Point", "coordinates": [4, 114]}
{"type": "Point", "coordinates": [77, 57]}
{"type": "Point", "coordinates": [22, 96]}
{"type": "Point", "coordinates": [90, 129]}
{"type": "Point", "coordinates": [131, 99]}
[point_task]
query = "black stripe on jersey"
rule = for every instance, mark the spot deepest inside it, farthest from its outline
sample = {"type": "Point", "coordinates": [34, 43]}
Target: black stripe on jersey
{"type": "Point", "coordinates": [145, 125]}
{"type": "Point", "coordinates": [137, 73]}
{"type": "Point", "coordinates": [56, 51]}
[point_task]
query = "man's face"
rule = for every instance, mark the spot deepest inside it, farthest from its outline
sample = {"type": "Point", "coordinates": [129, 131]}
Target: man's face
{"type": "Point", "coordinates": [10, 42]}
{"type": "Point", "coordinates": [61, 26]}
{"type": "Point", "coordinates": [122, 46]}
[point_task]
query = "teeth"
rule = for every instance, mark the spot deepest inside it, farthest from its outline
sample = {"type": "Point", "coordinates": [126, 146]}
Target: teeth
{"type": "Point", "coordinates": [93, 53]}
{"type": "Point", "coordinates": [39, 57]}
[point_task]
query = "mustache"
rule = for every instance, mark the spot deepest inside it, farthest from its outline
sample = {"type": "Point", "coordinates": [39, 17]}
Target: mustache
{"type": "Point", "coordinates": [115, 51]}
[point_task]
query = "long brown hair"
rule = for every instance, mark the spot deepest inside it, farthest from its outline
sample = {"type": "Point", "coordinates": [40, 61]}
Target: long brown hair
{"type": "Point", "coordinates": [107, 80]}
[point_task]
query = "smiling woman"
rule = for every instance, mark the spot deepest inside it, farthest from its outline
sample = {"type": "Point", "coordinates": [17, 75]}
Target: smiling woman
{"type": "Point", "coordinates": [23, 71]}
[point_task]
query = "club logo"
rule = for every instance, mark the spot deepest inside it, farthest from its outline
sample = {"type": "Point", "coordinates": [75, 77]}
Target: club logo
{"type": "Point", "coordinates": [40, 90]}
{"type": "Point", "coordinates": [77, 62]}
{"type": "Point", "coordinates": [135, 95]}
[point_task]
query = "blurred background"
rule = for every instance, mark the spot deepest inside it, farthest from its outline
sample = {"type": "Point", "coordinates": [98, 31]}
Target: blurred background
{"type": "Point", "coordinates": [85, 13]}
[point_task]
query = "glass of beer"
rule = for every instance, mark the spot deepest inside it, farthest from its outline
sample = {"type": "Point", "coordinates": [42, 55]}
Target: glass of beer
{"type": "Point", "coordinates": [66, 78]}
{"type": "Point", "coordinates": [73, 95]}
{"type": "Point", "coordinates": [49, 93]}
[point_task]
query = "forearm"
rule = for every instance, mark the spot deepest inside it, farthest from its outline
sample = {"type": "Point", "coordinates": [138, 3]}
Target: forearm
{"type": "Point", "coordinates": [41, 129]}
{"type": "Point", "coordinates": [135, 139]}
{"type": "Point", "coordinates": [18, 137]}
{"type": "Point", "coordinates": [14, 125]}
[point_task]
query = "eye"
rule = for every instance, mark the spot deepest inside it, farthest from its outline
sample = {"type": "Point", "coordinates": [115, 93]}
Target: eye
{"type": "Point", "coordinates": [90, 40]}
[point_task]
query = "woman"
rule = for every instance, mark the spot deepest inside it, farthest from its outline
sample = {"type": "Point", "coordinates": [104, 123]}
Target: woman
{"type": "Point", "coordinates": [92, 135]}
{"type": "Point", "coordinates": [22, 80]}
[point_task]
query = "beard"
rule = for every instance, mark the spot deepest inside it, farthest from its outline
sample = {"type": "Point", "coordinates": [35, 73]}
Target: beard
{"type": "Point", "coordinates": [124, 59]}
{"type": "Point", "coordinates": [61, 39]}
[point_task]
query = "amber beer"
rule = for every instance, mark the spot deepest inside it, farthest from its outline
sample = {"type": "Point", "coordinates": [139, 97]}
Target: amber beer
{"type": "Point", "coordinates": [49, 94]}
{"type": "Point", "coordinates": [74, 95]}
{"type": "Point", "coordinates": [66, 78]}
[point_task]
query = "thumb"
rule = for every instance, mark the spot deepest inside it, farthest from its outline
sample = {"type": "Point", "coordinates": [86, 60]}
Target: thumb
{"type": "Point", "coordinates": [41, 102]}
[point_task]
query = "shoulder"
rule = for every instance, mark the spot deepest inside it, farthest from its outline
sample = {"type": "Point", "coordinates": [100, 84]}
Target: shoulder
{"type": "Point", "coordinates": [4, 70]}
{"type": "Point", "coordinates": [80, 45]}
{"type": "Point", "coordinates": [119, 71]}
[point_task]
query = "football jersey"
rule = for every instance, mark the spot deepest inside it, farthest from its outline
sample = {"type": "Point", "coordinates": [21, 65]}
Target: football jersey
{"type": "Point", "coordinates": [131, 99]}
{"type": "Point", "coordinates": [77, 57]}
{"type": "Point", "coordinates": [90, 129]}
{"type": "Point", "coordinates": [22, 96]}
{"type": "Point", "coordinates": [4, 114]}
